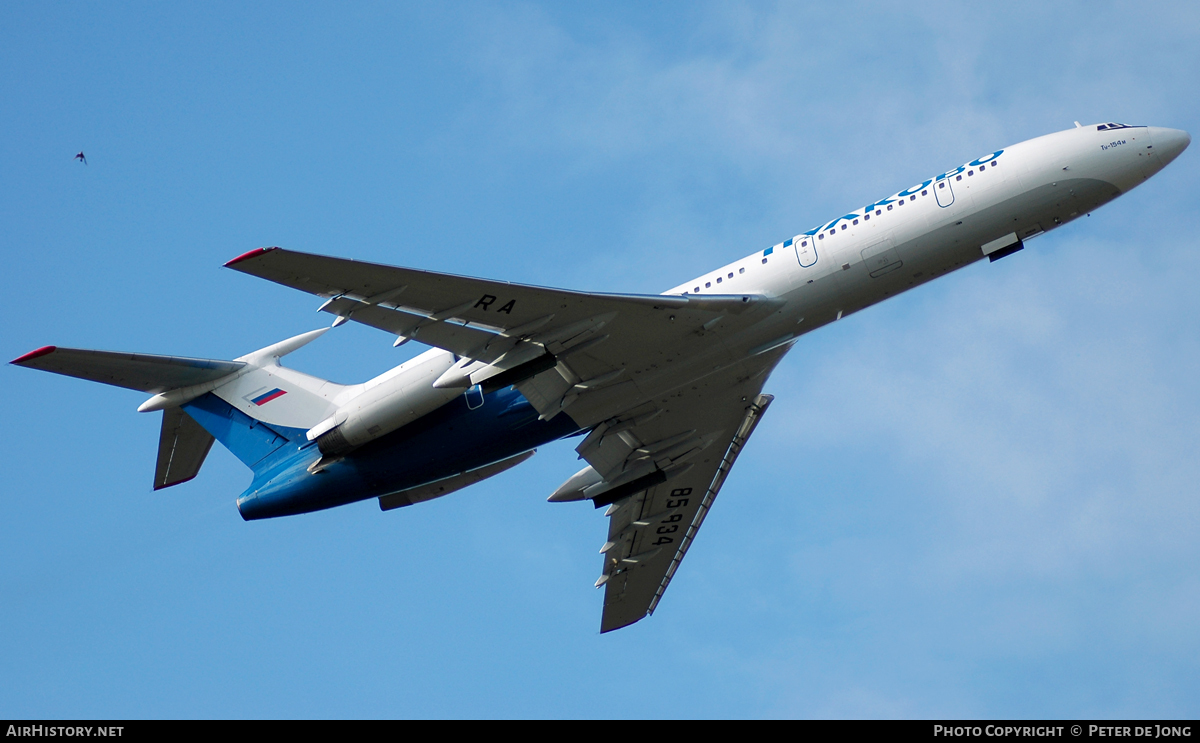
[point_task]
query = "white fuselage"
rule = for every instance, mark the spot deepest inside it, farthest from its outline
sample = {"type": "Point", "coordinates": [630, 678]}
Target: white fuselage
{"type": "Point", "coordinates": [942, 223]}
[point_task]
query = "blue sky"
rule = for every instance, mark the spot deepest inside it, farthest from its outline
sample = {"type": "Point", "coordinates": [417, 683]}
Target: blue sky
{"type": "Point", "coordinates": [977, 499]}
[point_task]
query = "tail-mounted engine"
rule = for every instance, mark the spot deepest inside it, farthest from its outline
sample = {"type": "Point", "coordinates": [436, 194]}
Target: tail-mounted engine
{"type": "Point", "coordinates": [388, 402]}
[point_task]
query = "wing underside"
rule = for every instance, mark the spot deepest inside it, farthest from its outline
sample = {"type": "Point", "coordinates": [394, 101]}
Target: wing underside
{"type": "Point", "coordinates": [650, 533]}
{"type": "Point", "coordinates": [661, 471]}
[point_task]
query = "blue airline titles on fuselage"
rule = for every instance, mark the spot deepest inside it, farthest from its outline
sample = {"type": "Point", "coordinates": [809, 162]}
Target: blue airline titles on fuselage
{"type": "Point", "coordinates": [981, 163]}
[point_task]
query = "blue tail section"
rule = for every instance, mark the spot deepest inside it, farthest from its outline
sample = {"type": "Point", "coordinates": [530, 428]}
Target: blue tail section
{"type": "Point", "coordinates": [250, 440]}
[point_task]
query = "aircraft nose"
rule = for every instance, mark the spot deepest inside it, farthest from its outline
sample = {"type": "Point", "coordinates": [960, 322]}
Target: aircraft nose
{"type": "Point", "coordinates": [1168, 143]}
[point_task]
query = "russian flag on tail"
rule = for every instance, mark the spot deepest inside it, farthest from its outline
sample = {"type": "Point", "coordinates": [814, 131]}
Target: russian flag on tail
{"type": "Point", "coordinates": [267, 397]}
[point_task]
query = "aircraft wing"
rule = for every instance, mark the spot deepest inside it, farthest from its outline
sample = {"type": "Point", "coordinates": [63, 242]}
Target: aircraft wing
{"type": "Point", "coordinates": [662, 476]}
{"type": "Point", "coordinates": [610, 341]}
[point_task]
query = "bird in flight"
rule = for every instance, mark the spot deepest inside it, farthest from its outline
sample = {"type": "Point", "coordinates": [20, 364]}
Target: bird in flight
{"type": "Point", "coordinates": [81, 157]}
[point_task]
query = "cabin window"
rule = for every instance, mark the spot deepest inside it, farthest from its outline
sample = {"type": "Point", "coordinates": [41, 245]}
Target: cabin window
{"type": "Point", "coordinates": [866, 216]}
{"type": "Point", "coordinates": [958, 177]}
{"type": "Point", "coordinates": [707, 284]}
{"type": "Point", "coordinates": [970, 172]}
{"type": "Point", "coordinates": [878, 212]}
{"type": "Point", "coordinates": [742, 270]}
{"type": "Point", "coordinates": [856, 221]}
{"type": "Point", "coordinates": [821, 236]}
{"type": "Point", "coordinates": [925, 193]}
{"type": "Point", "coordinates": [889, 207]}
{"type": "Point", "coordinates": [843, 227]}
{"type": "Point", "coordinates": [941, 185]}
{"type": "Point", "coordinates": [731, 274]}
{"type": "Point", "coordinates": [993, 163]}
{"type": "Point", "coordinates": [764, 260]}
{"type": "Point", "coordinates": [804, 243]}
{"type": "Point", "coordinates": [982, 168]}
{"type": "Point", "coordinates": [696, 290]}
{"type": "Point", "coordinates": [718, 279]}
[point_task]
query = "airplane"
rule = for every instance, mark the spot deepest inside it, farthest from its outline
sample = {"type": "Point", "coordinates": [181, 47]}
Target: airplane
{"type": "Point", "coordinates": [664, 390]}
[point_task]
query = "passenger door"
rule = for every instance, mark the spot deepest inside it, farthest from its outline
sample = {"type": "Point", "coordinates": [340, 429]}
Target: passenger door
{"type": "Point", "coordinates": [806, 250]}
{"type": "Point", "coordinates": [944, 192]}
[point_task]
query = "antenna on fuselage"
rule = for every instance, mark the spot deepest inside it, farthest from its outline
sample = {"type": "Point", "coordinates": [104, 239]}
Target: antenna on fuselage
{"type": "Point", "coordinates": [1078, 125]}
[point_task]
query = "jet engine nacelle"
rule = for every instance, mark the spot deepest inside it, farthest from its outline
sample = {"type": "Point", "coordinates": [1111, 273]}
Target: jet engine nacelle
{"type": "Point", "coordinates": [386, 403]}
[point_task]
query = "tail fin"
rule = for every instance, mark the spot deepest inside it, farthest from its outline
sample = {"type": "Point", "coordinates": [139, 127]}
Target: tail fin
{"type": "Point", "coordinates": [241, 390]}
{"type": "Point", "coordinates": [250, 441]}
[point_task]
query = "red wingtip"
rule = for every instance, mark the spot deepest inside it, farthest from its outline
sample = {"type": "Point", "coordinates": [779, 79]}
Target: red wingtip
{"type": "Point", "coordinates": [34, 354]}
{"type": "Point", "coordinates": [248, 256]}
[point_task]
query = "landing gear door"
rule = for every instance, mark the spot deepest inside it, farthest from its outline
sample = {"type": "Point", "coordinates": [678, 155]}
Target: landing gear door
{"type": "Point", "coordinates": [944, 192]}
{"type": "Point", "coordinates": [806, 250]}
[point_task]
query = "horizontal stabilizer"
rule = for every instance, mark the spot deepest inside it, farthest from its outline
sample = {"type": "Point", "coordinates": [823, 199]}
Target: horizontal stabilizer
{"type": "Point", "coordinates": [135, 371]}
{"type": "Point", "coordinates": [182, 448]}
